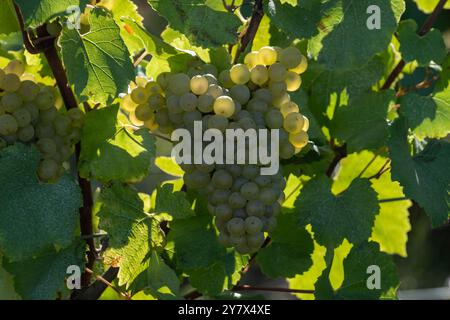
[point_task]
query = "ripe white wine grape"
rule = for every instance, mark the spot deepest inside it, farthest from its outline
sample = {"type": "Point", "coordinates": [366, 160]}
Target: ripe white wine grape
{"type": "Point", "coordinates": [11, 82]}
{"type": "Point", "coordinates": [15, 67]}
{"type": "Point", "coordinates": [240, 74]}
{"type": "Point", "coordinates": [294, 122]}
{"type": "Point", "coordinates": [139, 95]}
{"type": "Point", "coordinates": [8, 125]}
{"type": "Point", "coordinates": [299, 140]}
{"type": "Point", "coordinates": [259, 75]}
{"type": "Point", "coordinates": [290, 57]}
{"type": "Point", "coordinates": [48, 170]}
{"type": "Point", "coordinates": [199, 85]}
{"type": "Point", "coordinates": [267, 55]}
{"type": "Point", "coordinates": [277, 72]}
{"type": "Point", "coordinates": [274, 119]}
{"type": "Point", "coordinates": [289, 107]}
{"type": "Point", "coordinates": [188, 102]}
{"type": "Point", "coordinates": [240, 93]}
{"type": "Point", "coordinates": [11, 102]}
{"type": "Point", "coordinates": [302, 67]}
{"type": "Point", "coordinates": [224, 106]}
{"type": "Point", "coordinates": [179, 83]}
{"type": "Point", "coordinates": [293, 81]}
{"type": "Point", "coordinates": [252, 59]}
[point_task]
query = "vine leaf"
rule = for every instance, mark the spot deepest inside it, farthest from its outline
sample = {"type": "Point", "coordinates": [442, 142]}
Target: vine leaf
{"type": "Point", "coordinates": [429, 117]}
{"type": "Point", "coordinates": [345, 27]}
{"type": "Point", "coordinates": [350, 215]}
{"type": "Point", "coordinates": [300, 21]}
{"type": "Point", "coordinates": [392, 222]}
{"type": "Point", "coordinates": [425, 176]}
{"type": "Point", "coordinates": [41, 278]}
{"type": "Point", "coordinates": [34, 216]}
{"type": "Point", "coordinates": [362, 124]}
{"type": "Point", "coordinates": [98, 62]}
{"type": "Point", "coordinates": [133, 233]}
{"type": "Point", "coordinates": [289, 252]}
{"type": "Point", "coordinates": [202, 25]}
{"type": "Point", "coordinates": [430, 47]}
{"type": "Point", "coordinates": [158, 280]}
{"type": "Point", "coordinates": [8, 18]}
{"type": "Point", "coordinates": [356, 276]}
{"type": "Point", "coordinates": [132, 151]}
{"type": "Point", "coordinates": [36, 13]}
{"type": "Point", "coordinates": [174, 203]}
{"type": "Point", "coordinates": [427, 6]}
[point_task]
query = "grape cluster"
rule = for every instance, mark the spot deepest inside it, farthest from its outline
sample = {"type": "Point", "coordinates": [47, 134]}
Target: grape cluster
{"type": "Point", "coordinates": [252, 95]}
{"type": "Point", "coordinates": [31, 112]}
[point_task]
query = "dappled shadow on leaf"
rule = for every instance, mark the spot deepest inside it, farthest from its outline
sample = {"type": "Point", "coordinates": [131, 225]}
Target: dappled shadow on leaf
{"type": "Point", "coordinates": [417, 108]}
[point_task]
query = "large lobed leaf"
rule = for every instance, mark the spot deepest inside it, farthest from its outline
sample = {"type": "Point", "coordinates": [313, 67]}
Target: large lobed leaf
{"type": "Point", "coordinates": [98, 62]}
{"type": "Point", "coordinates": [34, 216]}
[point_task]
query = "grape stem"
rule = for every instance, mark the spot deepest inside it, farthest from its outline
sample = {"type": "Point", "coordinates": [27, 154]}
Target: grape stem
{"type": "Point", "coordinates": [46, 44]}
{"type": "Point", "coordinates": [426, 27]}
{"type": "Point", "coordinates": [96, 289]}
{"type": "Point", "coordinates": [249, 33]}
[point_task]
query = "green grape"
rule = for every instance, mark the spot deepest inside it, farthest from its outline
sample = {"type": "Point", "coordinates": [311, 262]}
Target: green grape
{"type": "Point", "coordinates": [15, 67]}
{"type": "Point", "coordinates": [262, 181]}
{"type": "Point", "coordinates": [239, 241]}
{"type": "Point", "coordinates": [221, 179]}
{"type": "Point", "coordinates": [225, 79]}
{"type": "Point", "coordinates": [289, 107]}
{"type": "Point", "coordinates": [290, 57]}
{"type": "Point", "coordinates": [302, 67]}
{"type": "Point", "coordinates": [293, 81]}
{"type": "Point", "coordinates": [255, 208]}
{"type": "Point", "coordinates": [199, 85]}
{"type": "Point", "coordinates": [259, 75]}
{"type": "Point", "coordinates": [190, 117]}
{"type": "Point", "coordinates": [156, 102]}
{"type": "Point", "coordinates": [151, 124]}
{"type": "Point", "coordinates": [240, 213]}
{"type": "Point", "coordinates": [249, 190]}
{"type": "Point", "coordinates": [166, 129]}
{"type": "Point", "coordinates": [240, 74]}
{"type": "Point", "coordinates": [212, 79]}
{"type": "Point", "coordinates": [75, 135]}
{"type": "Point", "coordinates": [278, 101]}
{"type": "Point", "coordinates": [77, 117]}
{"type": "Point", "coordinates": [250, 171]}
{"type": "Point", "coordinates": [274, 119]}
{"type": "Point", "coordinates": [45, 100]}
{"type": "Point", "coordinates": [219, 196]}
{"type": "Point", "coordinates": [163, 79]}
{"type": "Point", "coordinates": [253, 225]}
{"type": "Point", "coordinates": [173, 104]}
{"type": "Point", "coordinates": [207, 168]}
{"type": "Point", "coordinates": [175, 118]}
{"type": "Point", "coordinates": [224, 240]}
{"type": "Point", "coordinates": [23, 117]}
{"type": "Point", "coordinates": [2, 77]}
{"type": "Point", "coordinates": [215, 91]}
{"type": "Point", "coordinates": [2, 109]}
{"type": "Point", "coordinates": [271, 224]}
{"type": "Point", "coordinates": [294, 122]}
{"type": "Point", "coordinates": [48, 170]}
{"type": "Point", "coordinates": [205, 103]}
{"type": "Point", "coordinates": [236, 227]}
{"type": "Point", "coordinates": [268, 196]}
{"type": "Point", "coordinates": [255, 241]}
{"type": "Point", "coordinates": [236, 201]}
{"type": "Point", "coordinates": [263, 94]}
{"type": "Point", "coordinates": [47, 146]}
{"type": "Point", "coordinates": [277, 88]}
{"type": "Point", "coordinates": [11, 82]}
{"type": "Point", "coordinates": [247, 123]}
{"type": "Point", "coordinates": [218, 122]}
{"type": "Point", "coordinates": [277, 72]}
{"type": "Point", "coordinates": [243, 114]}
{"type": "Point", "coordinates": [62, 125]}
{"type": "Point", "coordinates": [128, 104]}
{"type": "Point", "coordinates": [8, 125]}
{"type": "Point", "coordinates": [134, 120]}
{"type": "Point", "coordinates": [28, 90]}
{"type": "Point", "coordinates": [188, 102]}
{"type": "Point", "coordinates": [234, 170]}
{"type": "Point", "coordinates": [196, 179]}
{"type": "Point", "coordinates": [139, 95]}
{"type": "Point", "coordinates": [162, 118]}
{"type": "Point", "coordinates": [179, 83]}
{"type": "Point", "coordinates": [299, 140]}
{"type": "Point", "coordinates": [240, 93]}
{"type": "Point", "coordinates": [273, 210]}
{"type": "Point", "coordinates": [287, 151]}
{"type": "Point", "coordinates": [53, 28]}
{"type": "Point", "coordinates": [238, 183]}
{"type": "Point", "coordinates": [224, 106]}
{"type": "Point", "coordinates": [257, 105]}
{"type": "Point", "coordinates": [223, 212]}
{"type": "Point", "coordinates": [306, 124]}
{"type": "Point", "coordinates": [152, 88]}
{"type": "Point", "coordinates": [48, 116]}
{"type": "Point", "coordinates": [252, 59]}
{"type": "Point", "coordinates": [65, 152]}
{"type": "Point", "coordinates": [11, 102]}
{"type": "Point", "coordinates": [267, 55]}
{"type": "Point", "coordinates": [32, 110]}
{"type": "Point", "coordinates": [143, 112]}
{"type": "Point", "coordinates": [44, 131]}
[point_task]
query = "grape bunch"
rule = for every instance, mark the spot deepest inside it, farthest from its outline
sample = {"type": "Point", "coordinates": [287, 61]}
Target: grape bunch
{"type": "Point", "coordinates": [251, 95]}
{"type": "Point", "coordinates": [32, 113]}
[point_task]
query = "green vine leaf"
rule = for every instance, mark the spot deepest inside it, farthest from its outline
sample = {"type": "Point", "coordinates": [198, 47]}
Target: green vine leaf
{"type": "Point", "coordinates": [34, 216]}
{"type": "Point", "coordinates": [132, 151]}
{"type": "Point", "coordinates": [202, 25]}
{"type": "Point", "coordinates": [43, 277]}
{"type": "Point", "coordinates": [174, 203]}
{"type": "Point", "coordinates": [98, 62]}
{"type": "Point", "coordinates": [8, 18]}
{"type": "Point", "coordinates": [36, 13]}
{"type": "Point", "coordinates": [425, 176]}
{"type": "Point", "coordinates": [350, 215]}
{"type": "Point", "coordinates": [289, 252]}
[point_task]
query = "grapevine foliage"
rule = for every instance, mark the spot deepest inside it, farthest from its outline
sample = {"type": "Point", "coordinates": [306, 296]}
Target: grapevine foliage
{"type": "Point", "coordinates": [355, 157]}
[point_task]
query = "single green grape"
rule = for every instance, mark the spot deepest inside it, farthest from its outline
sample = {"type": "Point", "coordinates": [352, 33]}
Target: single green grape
{"type": "Point", "coordinates": [290, 57]}
{"type": "Point", "coordinates": [8, 125]}
{"type": "Point", "coordinates": [224, 106]}
{"type": "Point", "coordinates": [294, 122]}
{"type": "Point", "coordinates": [259, 75]}
{"type": "Point", "coordinates": [240, 74]}
{"type": "Point", "coordinates": [199, 85]}
{"type": "Point", "coordinates": [293, 81]}
{"type": "Point", "coordinates": [267, 55]}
